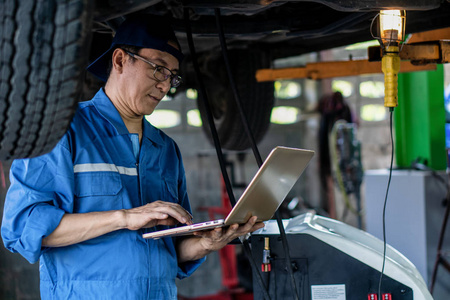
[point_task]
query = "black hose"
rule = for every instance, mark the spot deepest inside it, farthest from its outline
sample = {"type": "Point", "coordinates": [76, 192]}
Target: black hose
{"type": "Point", "coordinates": [203, 97]}
{"type": "Point", "coordinates": [254, 146]}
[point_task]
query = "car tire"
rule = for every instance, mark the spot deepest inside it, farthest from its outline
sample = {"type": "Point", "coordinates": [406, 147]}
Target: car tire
{"type": "Point", "coordinates": [43, 54]}
{"type": "Point", "coordinates": [257, 99]}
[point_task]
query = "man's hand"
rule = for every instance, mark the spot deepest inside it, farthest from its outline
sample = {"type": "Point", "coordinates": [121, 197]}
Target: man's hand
{"type": "Point", "coordinates": [156, 213]}
{"type": "Point", "coordinates": [205, 242]}
{"type": "Point", "coordinates": [76, 228]}
{"type": "Point", "coordinates": [218, 238]}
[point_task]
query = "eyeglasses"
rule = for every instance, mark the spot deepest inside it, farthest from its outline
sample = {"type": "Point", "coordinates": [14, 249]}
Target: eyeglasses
{"type": "Point", "coordinates": [161, 73]}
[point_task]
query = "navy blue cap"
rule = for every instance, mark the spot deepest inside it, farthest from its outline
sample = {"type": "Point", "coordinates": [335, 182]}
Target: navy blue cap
{"type": "Point", "coordinates": [145, 31]}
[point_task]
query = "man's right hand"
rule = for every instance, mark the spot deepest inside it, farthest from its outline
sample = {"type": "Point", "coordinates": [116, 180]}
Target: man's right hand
{"type": "Point", "coordinates": [156, 213]}
{"type": "Point", "coordinates": [79, 227]}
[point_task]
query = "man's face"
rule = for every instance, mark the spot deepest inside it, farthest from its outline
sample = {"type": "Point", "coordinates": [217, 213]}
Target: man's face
{"type": "Point", "coordinates": [140, 90]}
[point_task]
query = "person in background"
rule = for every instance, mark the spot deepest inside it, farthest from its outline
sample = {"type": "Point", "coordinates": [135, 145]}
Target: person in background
{"type": "Point", "coordinates": [332, 108]}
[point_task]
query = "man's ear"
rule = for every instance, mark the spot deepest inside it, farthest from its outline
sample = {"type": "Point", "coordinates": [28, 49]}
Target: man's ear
{"type": "Point", "coordinates": [118, 60]}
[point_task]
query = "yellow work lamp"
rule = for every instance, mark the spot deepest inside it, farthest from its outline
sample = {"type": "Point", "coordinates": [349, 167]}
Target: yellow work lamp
{"type": "Point", "coordinates": [392, 30]}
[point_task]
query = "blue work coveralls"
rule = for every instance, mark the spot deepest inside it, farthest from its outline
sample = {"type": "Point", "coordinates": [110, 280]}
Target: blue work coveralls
{"type": "Point", "coordinates": [95, 168]}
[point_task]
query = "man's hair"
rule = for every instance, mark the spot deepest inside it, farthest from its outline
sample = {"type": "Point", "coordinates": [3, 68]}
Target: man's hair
{"type": "Point", "coordinates": [132, 49]}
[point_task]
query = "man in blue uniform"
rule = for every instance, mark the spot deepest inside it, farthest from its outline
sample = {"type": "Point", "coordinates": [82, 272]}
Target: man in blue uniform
{"type": "Point", "coordinates": [81, 209]}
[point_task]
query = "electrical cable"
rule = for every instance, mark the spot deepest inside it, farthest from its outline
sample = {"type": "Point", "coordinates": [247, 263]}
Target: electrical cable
{"type": "Point", "coordinates": [215, 136]}
{"type": "Point", "coordinates": [371, 32]}
{"type": "Point", "coordinates": [391, 110]}
{"type": "Point", "coordinates": [254, 146]}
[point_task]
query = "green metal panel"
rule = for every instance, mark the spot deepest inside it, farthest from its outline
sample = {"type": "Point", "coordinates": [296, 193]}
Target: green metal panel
{"type": "Point", "coordinates": [420, 119]}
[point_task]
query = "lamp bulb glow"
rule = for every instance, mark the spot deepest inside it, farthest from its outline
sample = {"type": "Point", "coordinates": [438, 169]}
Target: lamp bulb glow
{"type": "Point", "coordinates": [392, 24]}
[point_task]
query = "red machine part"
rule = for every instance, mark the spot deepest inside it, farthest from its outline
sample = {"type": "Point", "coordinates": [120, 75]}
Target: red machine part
{"type": "Point", "coordinates": [385, 296]}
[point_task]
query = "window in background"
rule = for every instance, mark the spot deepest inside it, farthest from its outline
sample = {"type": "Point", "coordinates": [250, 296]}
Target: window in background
{"type": "Point", "coordinates": [192, 94]}
{"type": "Point", "coordinates": [343, 86]}
{"type": "Point", "coordinates": [164, 118]}
{"type": "Point", "coordinates": [167, 97]}
{"type": "Point", "coordinates": [371, 89]}
{"type": "Point", "coordinates": [193, 118]}
{"type": "Point", "coordinates": [362, 45]}
{"type": "Point", "coordinates": [373, 112]}
{"type": "Point", "coordinates": [285, 115]}
{"type": "Point", "coordinates": [286, 89]}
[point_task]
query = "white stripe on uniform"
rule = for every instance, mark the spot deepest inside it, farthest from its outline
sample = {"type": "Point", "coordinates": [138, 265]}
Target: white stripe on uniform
{"type": "Point", "coordinates": [104, 168]}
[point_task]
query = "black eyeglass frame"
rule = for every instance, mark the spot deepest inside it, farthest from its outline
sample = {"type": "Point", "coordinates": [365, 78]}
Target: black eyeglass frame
{"type": "Point", "coordinates": [175, 80]}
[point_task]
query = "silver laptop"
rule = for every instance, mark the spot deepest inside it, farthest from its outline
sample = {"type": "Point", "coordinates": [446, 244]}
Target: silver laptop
{"type": "Point", "coordinates": [262, 197]}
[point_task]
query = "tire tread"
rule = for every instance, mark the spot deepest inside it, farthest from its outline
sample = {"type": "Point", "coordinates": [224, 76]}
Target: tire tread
{"type": "Point", "coordinates": [43, 53]}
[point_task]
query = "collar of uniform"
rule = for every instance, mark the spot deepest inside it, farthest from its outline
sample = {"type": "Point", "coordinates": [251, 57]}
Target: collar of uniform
{"type": "Point", "coordinates": [107, 109]}
{"type": "Point", "coordinates": [151, 132]}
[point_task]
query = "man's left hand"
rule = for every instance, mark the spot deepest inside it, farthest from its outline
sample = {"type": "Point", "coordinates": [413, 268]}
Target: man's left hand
{"type": "Point", "coordinates": [218, 238]}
